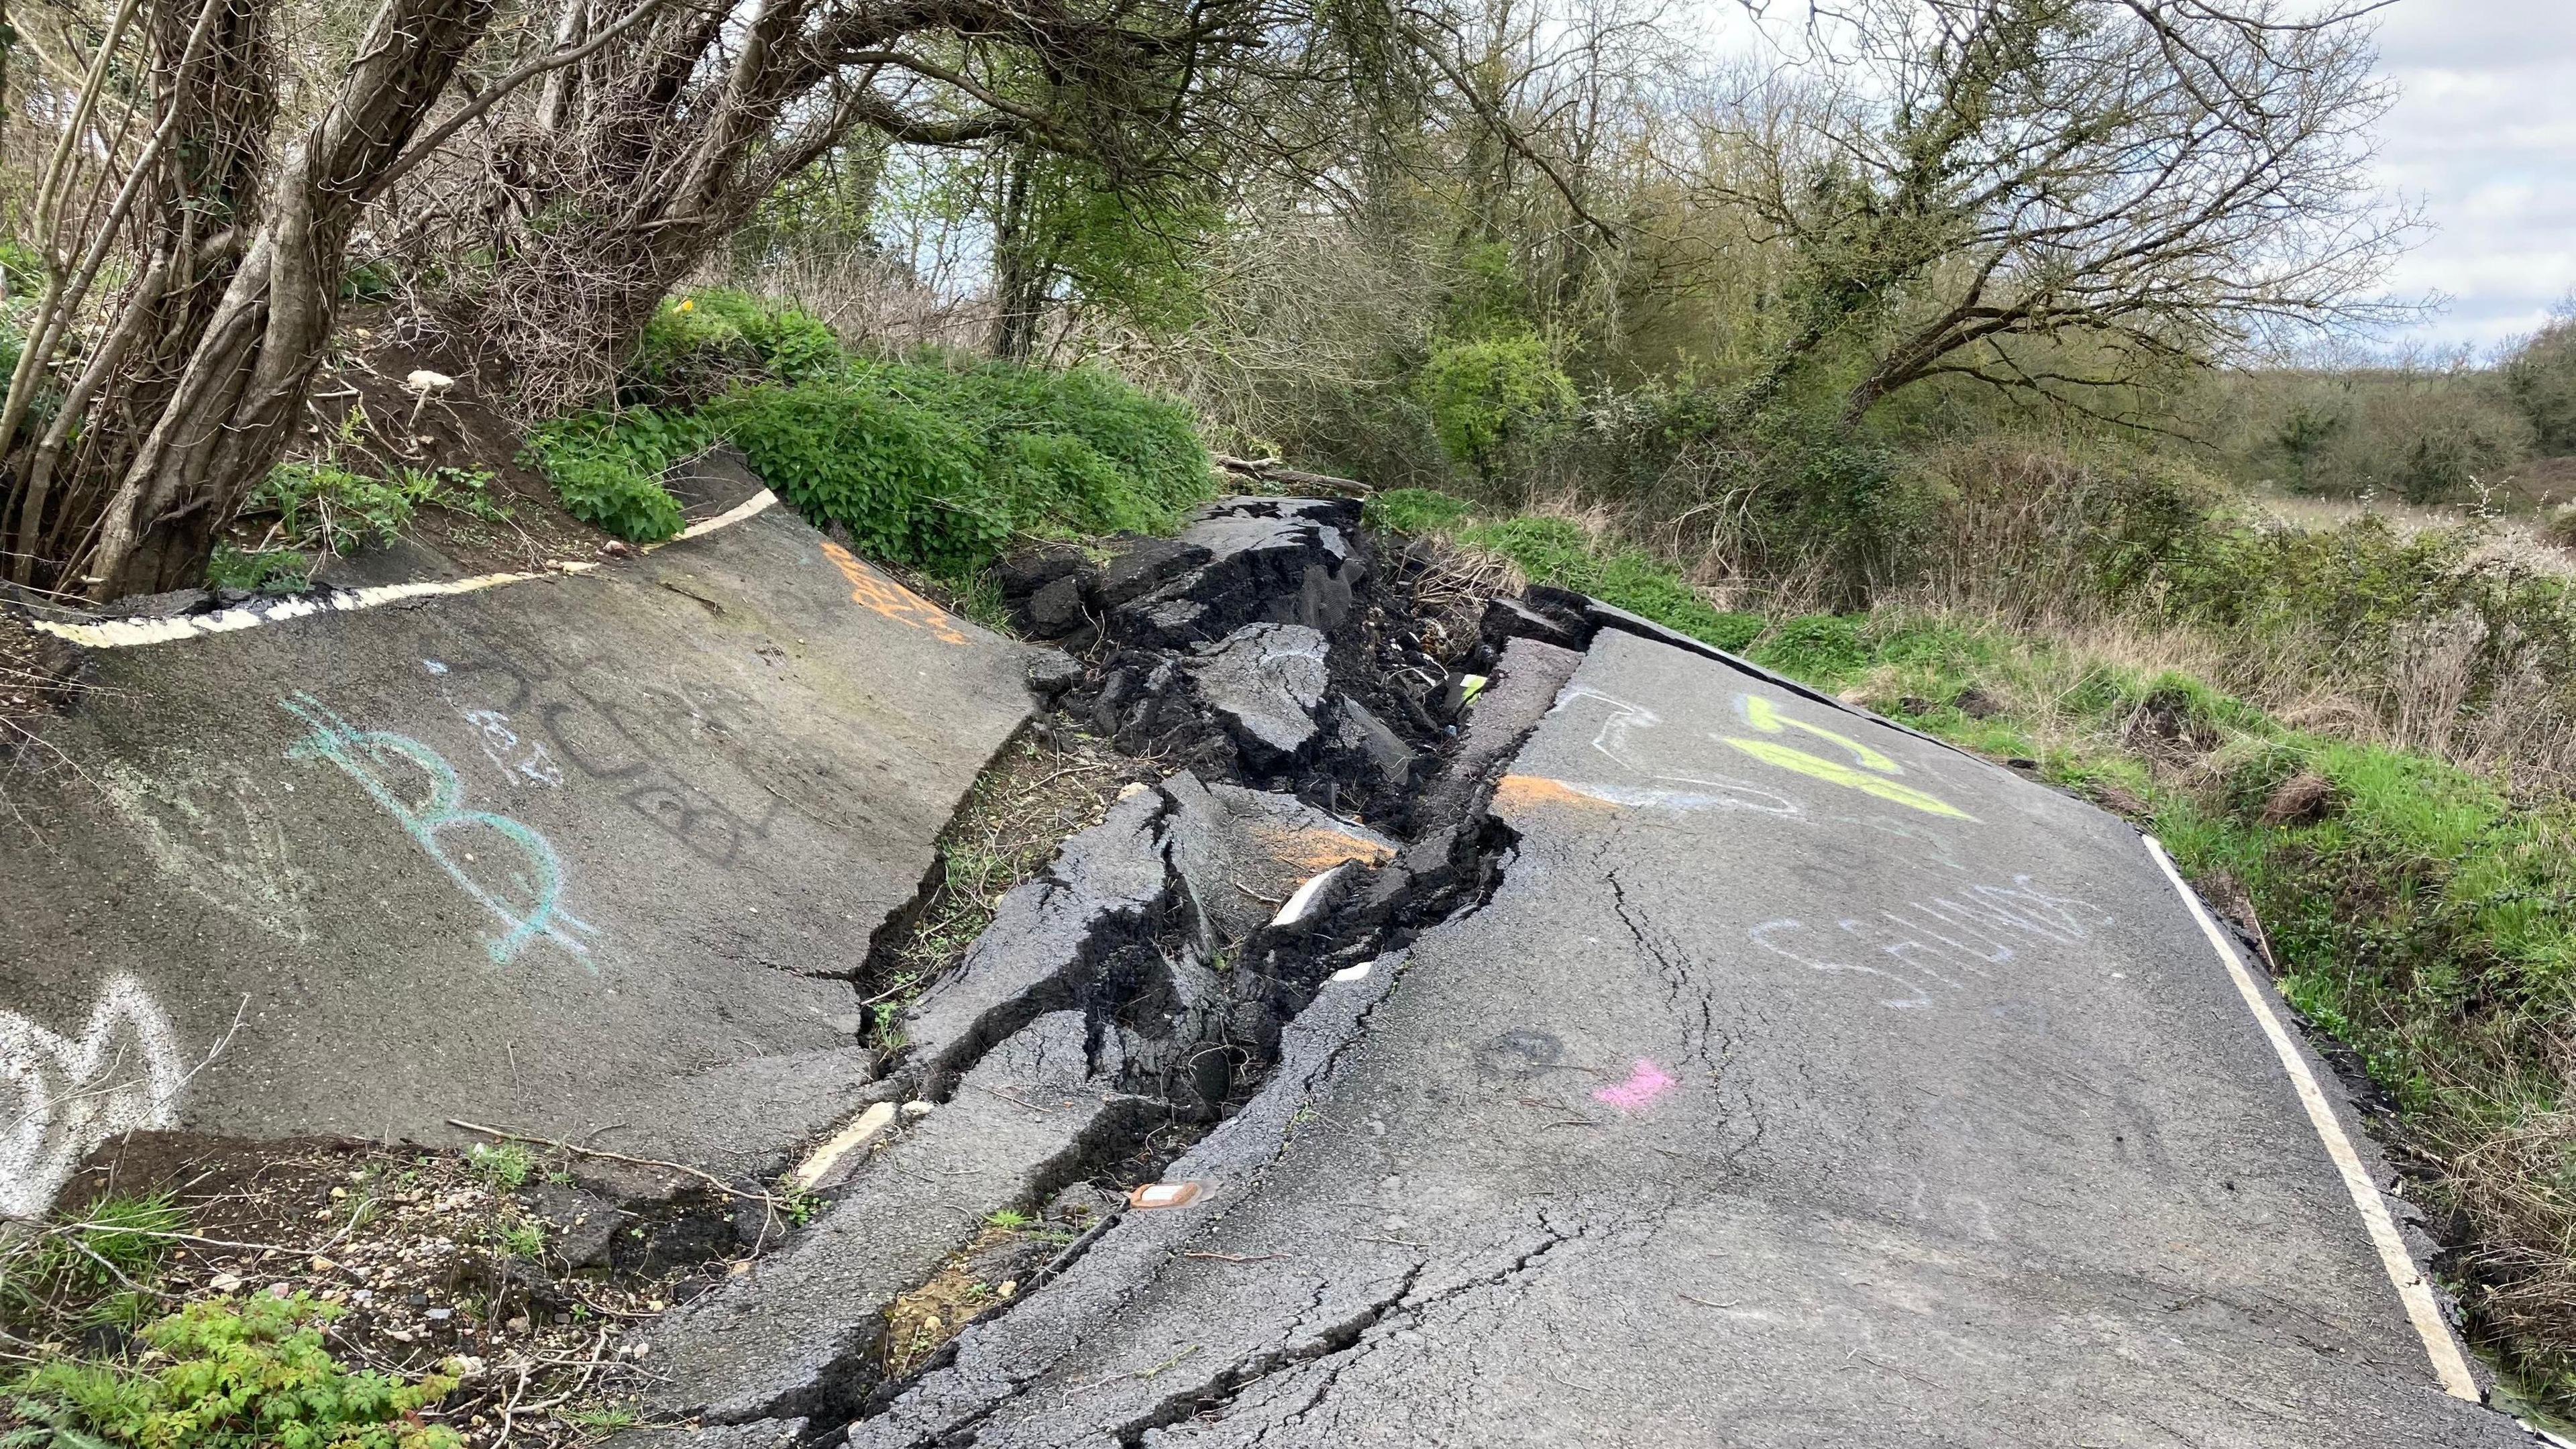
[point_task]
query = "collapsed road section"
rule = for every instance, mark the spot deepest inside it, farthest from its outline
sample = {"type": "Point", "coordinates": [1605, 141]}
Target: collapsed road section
{"type": "Point", "coordinates": [1144, 980]}
{"type": "Point", "coordinates": [589, 855]}
{"type": "Point", "coordinates": [1658, 1052]}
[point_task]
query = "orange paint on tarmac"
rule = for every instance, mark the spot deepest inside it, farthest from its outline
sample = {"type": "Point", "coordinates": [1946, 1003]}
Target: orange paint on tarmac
{"type": "Point", "coordinates": [875, 591]}
{"type": "Point", "coordinates": [1515, 793]}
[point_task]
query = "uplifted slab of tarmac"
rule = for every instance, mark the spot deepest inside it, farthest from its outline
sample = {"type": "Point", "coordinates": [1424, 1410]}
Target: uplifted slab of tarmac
{"type": "Point", "coordinates": [1803, 1083]}
{"type": "Point", "coordinates": [589, 857]}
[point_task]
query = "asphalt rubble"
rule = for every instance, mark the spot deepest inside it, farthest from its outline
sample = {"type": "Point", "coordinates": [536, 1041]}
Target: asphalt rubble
{"type": "Point", "coordinates": [1156, 1003]}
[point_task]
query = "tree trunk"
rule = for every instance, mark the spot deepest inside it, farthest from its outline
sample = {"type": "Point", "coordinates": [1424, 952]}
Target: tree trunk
{"type": "Point", "coordinates": [182, 439]}
{"type": "Point", "coordinates": [1020, 273]}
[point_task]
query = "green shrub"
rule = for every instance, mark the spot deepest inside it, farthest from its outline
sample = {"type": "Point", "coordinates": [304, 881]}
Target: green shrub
{"type": "Point", "coordinates": [922, 464]}
{"type": "Point", "coordinates": [903, 480]}
{"type": "Point", "coordinates": [254, 1376]}
{"type": "Point", "coordinates": [941, 469]}
{"type": "Point", "coordinates": [1415, 510]}
{"type": "Point", "coordinates": [607, 467]}
{"type": "Point", "coordinates": [1152, 442]}
{"type": "Point", "coordinates": [1485, 397]}
{"type": "Point", "coordinates": [700, 343]}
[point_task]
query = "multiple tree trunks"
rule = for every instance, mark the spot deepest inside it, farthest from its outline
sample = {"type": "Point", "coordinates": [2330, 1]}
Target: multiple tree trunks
{"type": "Point", "coordinates": [194, 394]}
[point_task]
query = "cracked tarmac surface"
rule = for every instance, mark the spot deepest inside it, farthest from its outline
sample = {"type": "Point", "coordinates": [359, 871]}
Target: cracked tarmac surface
{"type": "Point", "coordinates": [1803, 1083]}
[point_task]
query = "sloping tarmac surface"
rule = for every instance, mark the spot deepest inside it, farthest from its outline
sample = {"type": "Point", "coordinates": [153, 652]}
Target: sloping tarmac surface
{"type": "Point", "coordinates": [585, 856]}
{"type": "Point", "coordinates": [1804, 1083]}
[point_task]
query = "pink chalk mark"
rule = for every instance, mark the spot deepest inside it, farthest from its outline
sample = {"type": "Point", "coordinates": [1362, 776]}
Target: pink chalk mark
{"type": "Point", "coordinates": [1642, 1087]}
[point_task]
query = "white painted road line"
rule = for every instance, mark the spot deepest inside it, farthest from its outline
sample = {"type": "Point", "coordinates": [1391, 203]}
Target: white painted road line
{"type": "Point", "coordinates": [757, 503]}
{"type": "Point", "coordinates": [2439, 1345]}
{"type": "Point", "coordinates": [125, 633]}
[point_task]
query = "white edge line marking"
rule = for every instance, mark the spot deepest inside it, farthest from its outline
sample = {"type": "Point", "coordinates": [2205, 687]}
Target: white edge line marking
{"type": "Point", "coordinates": [1302, 902]}
{"type": "Point", "coordinates": [2448, 1365]}
{"type": "Point", "coordinates": [125, 633]}
{"type": "Point", "coordinates": [757, 503]}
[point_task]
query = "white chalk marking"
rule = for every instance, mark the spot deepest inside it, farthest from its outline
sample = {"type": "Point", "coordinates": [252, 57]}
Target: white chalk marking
{"type": "Point", "coordinates": [125, 633]}
{"type": "Point", "coordinates": [74, 1095]}
{"type": "Point", "coordinates": [2448, 1365]}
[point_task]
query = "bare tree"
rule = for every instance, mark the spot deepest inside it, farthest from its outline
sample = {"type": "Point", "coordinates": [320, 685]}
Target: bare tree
{"type": "Point", "coordinates": [185, 386]}
{"type": "Point", "coordinates": [652, 152]}
{"type": "Point", "coordinates": [2054, 196]}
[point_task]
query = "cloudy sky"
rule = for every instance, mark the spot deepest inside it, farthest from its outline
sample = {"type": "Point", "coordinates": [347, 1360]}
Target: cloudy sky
{"type": "Point", "coordinates": [2485, 139]}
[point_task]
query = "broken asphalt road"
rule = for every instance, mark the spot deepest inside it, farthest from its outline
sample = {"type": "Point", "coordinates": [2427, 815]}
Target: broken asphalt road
{"type": "Point", "coordinates": [584, 856]}
{"type": "Point", "coordinates": [1803, 1082]}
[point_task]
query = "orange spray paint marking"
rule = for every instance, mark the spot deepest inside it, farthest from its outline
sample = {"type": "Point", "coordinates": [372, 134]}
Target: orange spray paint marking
{"type": "Point", "coordinates": [1515, 793]}
{"type": "Point", "coordinates": [893, 600]}
{"type": "Point", "coordinates": [1318, 848]}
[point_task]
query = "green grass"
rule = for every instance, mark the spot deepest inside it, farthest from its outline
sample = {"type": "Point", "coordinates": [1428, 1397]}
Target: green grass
{"type": "Point", "coordinates": [523, 1239]}
{"type": "Point", "coordinates": [503, 1166]}
{"type": "Point", "coordinates": [97, 1270]}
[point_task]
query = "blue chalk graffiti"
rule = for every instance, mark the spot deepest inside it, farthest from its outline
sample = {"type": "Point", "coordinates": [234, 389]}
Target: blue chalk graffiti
{"type": "Point", "coordinates": [366, 754]}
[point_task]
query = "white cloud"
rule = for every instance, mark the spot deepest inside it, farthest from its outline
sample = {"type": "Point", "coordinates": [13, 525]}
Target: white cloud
{"type": "Point", "coordinates": [2483, 138]}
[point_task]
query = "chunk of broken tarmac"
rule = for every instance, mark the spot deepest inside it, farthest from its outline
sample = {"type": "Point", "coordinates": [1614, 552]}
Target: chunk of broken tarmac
{"type": "Point", "coordinates": [1238, 561]}
{"type": "Point", "coordinates": [1265, 683]}
{"type": "Point", "coordinates": [795, 1335]}
{"type": "Point", "coordinates": [1048, 935]}
{"type": "Point", "coordinates": [1243, 852]}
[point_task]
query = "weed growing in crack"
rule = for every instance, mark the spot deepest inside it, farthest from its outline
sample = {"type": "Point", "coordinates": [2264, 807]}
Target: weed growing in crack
{"type": "Point", "coordinates": [525, 1239]}
{"type": "Point", "coordinates": [503, 1166]}
{"type": "Point", "coordinates": [1025, 803]}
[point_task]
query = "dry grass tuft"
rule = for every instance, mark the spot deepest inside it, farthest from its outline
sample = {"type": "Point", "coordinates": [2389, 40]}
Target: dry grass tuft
{"type": "Point", "coordinates": [1033, 795]}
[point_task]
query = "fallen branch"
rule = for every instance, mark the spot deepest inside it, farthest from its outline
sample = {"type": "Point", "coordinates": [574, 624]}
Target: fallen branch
{"type": "Point", "coordinates": [1296, 480]}
{"type": "Point", "coordinates": [710, 1179]}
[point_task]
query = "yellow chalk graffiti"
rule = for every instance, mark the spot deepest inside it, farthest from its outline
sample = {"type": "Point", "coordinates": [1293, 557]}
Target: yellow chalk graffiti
{"type": "Point", "coordinates": [1869, 779]}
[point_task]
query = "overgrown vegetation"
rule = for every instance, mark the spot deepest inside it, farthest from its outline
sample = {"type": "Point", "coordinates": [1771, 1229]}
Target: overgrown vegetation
{"type": "Point", "coordinates": [930, 463]}
{"type": "Point", "coordinates": [222, 1373]}
{"type": "Point", "coordinates": [252, 1375]}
